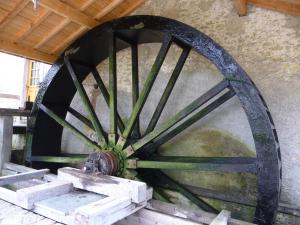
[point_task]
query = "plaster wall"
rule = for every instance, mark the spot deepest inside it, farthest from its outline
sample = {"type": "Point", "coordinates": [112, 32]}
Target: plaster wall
{"type": "Point", "coordinates": [265, 43]}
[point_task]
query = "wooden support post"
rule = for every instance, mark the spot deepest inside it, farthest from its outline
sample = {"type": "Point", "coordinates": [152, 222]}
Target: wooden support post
{"type": "Point", "coordinates": [241, 7]}
{"type": "Point", "coordinates": [6, 132]}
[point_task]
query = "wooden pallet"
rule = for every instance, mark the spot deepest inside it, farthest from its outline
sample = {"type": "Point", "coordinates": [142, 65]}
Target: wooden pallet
{"type": "Point", "coordinates": [73, 197]}
{"type": "Point", "coordinates": [91, 199]}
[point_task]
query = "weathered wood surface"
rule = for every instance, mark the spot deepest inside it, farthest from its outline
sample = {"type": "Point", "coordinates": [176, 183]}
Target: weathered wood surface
{"type": "Point", "coordinates": [107, 185]}
{"type": "Point", "coordinates": [14, 215]}
{"type": "Point", "coordinates": [22, 176]}
{"type": "Point", "coordinates": [6, 132]}
{"type": "Point", "coordinates": [26, 197]}
{"type": "Point", "coordinates": [14, 112]}
{"type": "Point", "coordinates": [222, 218]}
{"type": "Point", "coordinates": [193, 215]}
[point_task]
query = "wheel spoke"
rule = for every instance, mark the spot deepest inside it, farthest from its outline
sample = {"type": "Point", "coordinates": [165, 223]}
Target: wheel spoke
{"type": "Point", "coordinates": [112, 89]}
{"type": "Point", "coordinates": [146, 90]}
{"type": "Point", "coordinates": [184, 113]}
{"type": "Point", "coordinates": [58, 159]}
{"type": "Point", "coordinates": [87, 104]}
{"type": "Point", "coordinates": [135, 87]}
{"type": "Point", "coordinates": [81, 118]}
{"type": "Point", "coordinates": [164, 98]}
{"type": "Point", "coordinates": [105, 94]}
{"type": "Point", "coordinates": [164, 181]}
{"type": "Point", "coordinates": [158, 194]}
{"type": "Point", "coordinates": [223, 164]}
{"type": "Point", "coordinates": [70, 127]}
{"type": "Point", "coordinates": [173, 132]}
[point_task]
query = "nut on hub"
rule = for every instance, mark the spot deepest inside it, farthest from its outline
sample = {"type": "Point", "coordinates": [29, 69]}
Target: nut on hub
{"type": "Point", "coordinates": [104, 162]}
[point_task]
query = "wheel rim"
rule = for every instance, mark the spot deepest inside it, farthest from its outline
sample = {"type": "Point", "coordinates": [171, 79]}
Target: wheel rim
{"type": "Point", "coordinates": [81, 58]}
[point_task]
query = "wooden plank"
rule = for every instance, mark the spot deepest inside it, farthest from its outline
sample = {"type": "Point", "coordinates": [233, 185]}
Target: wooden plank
{"type": "Point", "coordinates": [14, 112]}
{"type": "Point", "coordinates": [22, 176]}
{"type": "Point", "coordinates": [106, 185]}
{"type": "Point", "coordinates": [52, 33]}
{"type": "Point", "coordinates": [69, 12]}
{"type": "Point", "coordinates": [27, 52]}
{"type": "Point", "coordinates": [17, 168]}
{"type": "Point", "coordinates": [8, 195]}
{"type": "Point", "coordinates": [193, 215]}
{"type": "Point", "coordinates": [26, 197]}
{"type": "Point", "coordinates": [22, 34]}
{"type": "Point", "coordinates": [277, 5]}
{"type": "Point", "coordinates": [241, 7]}
{"type": "Point", "coordinates": [19, 6]}
{"type": "Point", "coordinates": [148, 217]}
{"type": "Point", "coordinates": [6, 132]}
{"type": "Point", "coordinates": [107, 9]}
{"type": "Point", "coordinates": [222, 218]}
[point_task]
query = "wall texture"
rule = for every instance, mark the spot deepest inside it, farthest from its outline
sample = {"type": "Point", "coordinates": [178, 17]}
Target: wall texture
{"type": "Point", "coordinates": [265, 43]}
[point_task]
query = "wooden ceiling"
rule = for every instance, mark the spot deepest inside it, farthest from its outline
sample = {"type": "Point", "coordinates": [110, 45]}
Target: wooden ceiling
{"type": "Point", "coordinates": [43, 33]}
{"type": "Point", "coordinates": [286, 6]}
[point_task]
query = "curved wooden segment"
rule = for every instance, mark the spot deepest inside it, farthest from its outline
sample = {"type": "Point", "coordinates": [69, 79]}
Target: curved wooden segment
{"type": "Point", "coordinates": [221, 164]}
{"type": "Point", "coordinates": [87, 104]}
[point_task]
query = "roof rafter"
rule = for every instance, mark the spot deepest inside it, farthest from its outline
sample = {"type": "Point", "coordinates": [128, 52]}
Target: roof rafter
{"type": "Point", "coordinates": [69, 12]}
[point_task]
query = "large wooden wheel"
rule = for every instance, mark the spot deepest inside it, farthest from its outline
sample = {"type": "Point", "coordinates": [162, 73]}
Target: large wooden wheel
{"type": "Point", "coordinates": [125, 151]}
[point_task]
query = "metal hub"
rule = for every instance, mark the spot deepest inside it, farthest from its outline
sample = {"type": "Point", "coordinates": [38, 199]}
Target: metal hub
{"type": "Point", "coordinates": [104, 162]}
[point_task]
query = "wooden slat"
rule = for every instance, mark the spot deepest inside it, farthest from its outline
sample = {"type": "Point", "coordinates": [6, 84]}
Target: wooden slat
{"type": "Point", "coordinates": [14, 12]}
{"type": "Point", "coordinates": [64, 23]}
{"type": "Point", "coordinates": [241, 7]}
{"type": "Point", "coordinates": [111, 6]}
{"type": "Point", "coordinates": [278, 5]}
{"type": "Point", "coordinates": [52, 33]}
{"type": "Point", "coordinates": [14, 112]}
{"type": "Point", "coordinates": [22, 176]}
{"type": "Point", "coordinates": [28, 29]}
{"type": "Point", "coordinates": [69, 12]}
{"type": "Point", "coordinates": [25, 51]}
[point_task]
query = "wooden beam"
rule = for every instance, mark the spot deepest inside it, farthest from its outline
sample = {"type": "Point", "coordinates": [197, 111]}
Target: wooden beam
{"type": "Point", "coordinates": [28, 29]}
{"type": "Point", "coordinates": [69, 12]}
{"type": "Point", "coordinates": [241, 7]}
{"type": "Point", "coordinates": [287, 6]}
{"type": "Point", "coordinates": [25, 51]}
{"type": "Point", "coordinates": [107, 9]}
{"type": "Point", "coordinates": [14, 112]}
{"type": "Point", "coordinates": [19, 6]}
{"type": "Point", "coordinates": [58, 28]}
{"type": "Point", "coordinates": [10, 179]}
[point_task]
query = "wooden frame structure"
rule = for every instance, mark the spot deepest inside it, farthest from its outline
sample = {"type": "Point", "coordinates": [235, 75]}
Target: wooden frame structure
{"type": "Point", "coordinates": [285, 6]}
{"type": "Point", "coordinates": [43, 33]}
